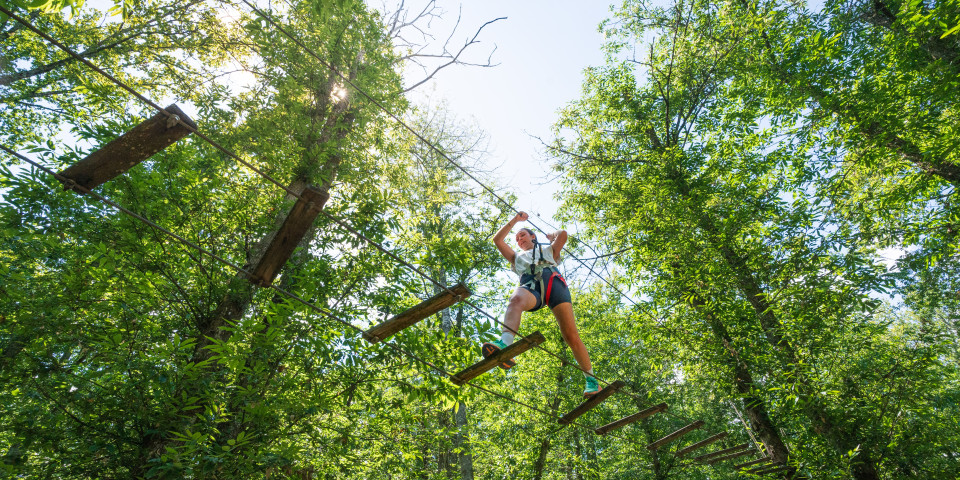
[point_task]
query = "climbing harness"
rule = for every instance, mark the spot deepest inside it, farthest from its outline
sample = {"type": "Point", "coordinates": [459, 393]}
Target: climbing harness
{"type": "Point", "coordinates": [537, 269]}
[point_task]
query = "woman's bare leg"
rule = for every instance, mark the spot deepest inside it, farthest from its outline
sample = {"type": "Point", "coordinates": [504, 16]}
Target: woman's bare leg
{"type": "Point", "coordinates": [568, 328]}
{"type": "Point", "coordinates": [521, 301]}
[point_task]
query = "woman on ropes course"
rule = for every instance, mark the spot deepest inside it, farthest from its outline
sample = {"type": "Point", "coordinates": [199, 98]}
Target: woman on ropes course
{"type": "Point", "coordinates": [540, 284]}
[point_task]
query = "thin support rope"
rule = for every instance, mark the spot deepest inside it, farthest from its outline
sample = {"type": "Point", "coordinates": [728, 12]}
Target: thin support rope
{"type": "Point", "coordinates": [443, 154]}
{"type": "Point", "coordinates": [297, 195]}
{"type": "Point", "coordinates": [276, 288]}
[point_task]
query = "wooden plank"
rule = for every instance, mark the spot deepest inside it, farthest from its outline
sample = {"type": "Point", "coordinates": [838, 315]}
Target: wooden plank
{"type": "Point", "coordinates": [778, 469]}
{"type": "Point", "coordinates": [483, 366]}
{"type": "Point", "coordinates": [768, 469]}
{"type": "Point", "coordinates": [632, 418]}
{"type": "Point", "coordinates": [703, 458]}
{"type": "Point", "coordinates": [413, 315]}
{"type": "Point", "coordinates": [702, 443]}
{"type": "Point", "coordinates": [754, 462]}
{"type": "Point", "coordinates": [295, 226]}
{"type": "Point", "coordinates": [675, 435]}
{"type": "Point", "coordinates": [136, 145]}
{"type": "Point", "coordinates": [591, 402]}
{"type": "Point", "coordinates": [724, 458]}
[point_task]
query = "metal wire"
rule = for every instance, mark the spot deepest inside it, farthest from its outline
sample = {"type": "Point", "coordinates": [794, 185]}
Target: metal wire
{"type": "Point", "coordinates": [80, 189]}
{"type": "Point", "coordinates": [439, 151]}
{"type": "Point", "coordinates": [295, 194]}
{"type": "Point", "coordinates": [227, 152]}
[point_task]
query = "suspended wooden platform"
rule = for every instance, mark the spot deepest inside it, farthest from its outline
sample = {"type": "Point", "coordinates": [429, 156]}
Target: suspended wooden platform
{"type": "Point", "coordinates": [591, 402]}
{"type": "Point", "coordinates": [632, 418]}
{"type": "Point", "coordinates": [138, 144]}
{"type": "Point", "coordinates": [294, 227]}
{"type": "Point", "coordinates": [754, 462]}
{"type": "Point", "coordinates": [719, 453]}
{"type": "Point", "coordinates": [731, 456]}
{"type": "Point", "coordinates": [483, 366]}
{"type": "Point", "coordinates": [413, 315]}
{"type": "Point", "coordinates": [675, 435]}
{"type": "Point", "coordinates": [702, 443]}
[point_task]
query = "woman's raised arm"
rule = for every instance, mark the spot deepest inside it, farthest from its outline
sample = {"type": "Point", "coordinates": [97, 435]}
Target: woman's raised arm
{"type": "Point", "coordinates": [557, 240]}
{"type": "Point", "coordinates": [501, 235]}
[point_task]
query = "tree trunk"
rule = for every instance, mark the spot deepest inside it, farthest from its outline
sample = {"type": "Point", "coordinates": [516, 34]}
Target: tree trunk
{"type": "Point", "coordinates": [540, 464]}
{"type": "Point", "coordinates": [337, 123]}
{"type": "Point", "coordinates": [814, 407]}
{"type": "Point", "coordinates": [541, 458]}
{"type": "Point", "coordinates": [753, 404]}
{"type": "Point", "coordinates": [578, 449]}
{"type": "Point", "coordinates": [446, 320]}
{"type": "Point", "coordinates": [650, 437]}
{"type": "Point", "coordinates": [445, 455]}
{"type": "Point", "coordinates": [460, 441]}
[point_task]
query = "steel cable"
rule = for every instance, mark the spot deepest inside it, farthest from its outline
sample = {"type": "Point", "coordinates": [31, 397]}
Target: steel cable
{"type": "Point", "coordinates": [295, 194]}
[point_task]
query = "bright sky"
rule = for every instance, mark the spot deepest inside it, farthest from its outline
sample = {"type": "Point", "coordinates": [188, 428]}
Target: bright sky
{"type": "Point", "coordinates": [541, 48]}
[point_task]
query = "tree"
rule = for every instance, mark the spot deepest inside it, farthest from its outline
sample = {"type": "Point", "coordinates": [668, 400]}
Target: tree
{"type": "Point", "coordinates": [667, 158]}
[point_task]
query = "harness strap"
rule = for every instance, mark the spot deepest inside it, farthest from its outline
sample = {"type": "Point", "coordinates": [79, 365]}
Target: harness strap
{"type": "Point", "coordinates": [546, 295]}
{"type": "Point", "coordinates": [536, 271]}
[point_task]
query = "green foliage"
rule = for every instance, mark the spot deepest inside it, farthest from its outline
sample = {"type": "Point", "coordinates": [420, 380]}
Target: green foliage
{"type": "Point", "coordinates": [751, 161]}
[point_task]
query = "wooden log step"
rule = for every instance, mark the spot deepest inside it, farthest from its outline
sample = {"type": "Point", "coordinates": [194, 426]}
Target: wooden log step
{"type": "Point", "coordinates": [413, 315]}
{"type": "Point", "coordinates": [483, 366]}
{"type": "Point", "coordinates": [724, 458]}
{"type": "Point", "coordinates": [295, 226]}
{"type": "Point", "coordinates": [751, 463]}
{"type": "Point", "coordinates": [675, 435]}
{"type": "Point", "coordinates": [719, 453]}
{"type": "Point", "coordinates": [136, 145]}
{"type": "Point", "coordinates": [776, 470]}
{"type": "Point", "coordinates": [768, 469]}
{"type": "Point", "coordinates": [632, 418]}
{"type": "Point", "coordinates": [702, 443]}
{"type": "Point", "coordinates": [591, 402]}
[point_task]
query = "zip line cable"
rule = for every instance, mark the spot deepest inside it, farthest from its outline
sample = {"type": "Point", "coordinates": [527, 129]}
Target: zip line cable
{"type": "Point", "coordinates": [297, 195]}
{"type": "Point", "coordinates": [280, 290]}
{"type": "Point", "coordinates": [144, 99]}
{"type": "Point", "coordinates": [264, 174]}
{"type": "Point", "coordinates": [293, 193]}
{"type": "Point", "coordinates": [245, 163]}
{"type": "Point", "coordinates": [346, 79]}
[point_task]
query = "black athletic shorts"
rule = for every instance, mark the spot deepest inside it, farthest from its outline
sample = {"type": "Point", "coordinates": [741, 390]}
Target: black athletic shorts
{"type": "Point", "coordinates": [553, 282]}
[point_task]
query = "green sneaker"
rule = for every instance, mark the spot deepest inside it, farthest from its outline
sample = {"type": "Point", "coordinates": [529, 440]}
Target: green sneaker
{"type": "Point", "coordinates": [593, 386]}
{"type": "Point", "coordinates": [489, 349]}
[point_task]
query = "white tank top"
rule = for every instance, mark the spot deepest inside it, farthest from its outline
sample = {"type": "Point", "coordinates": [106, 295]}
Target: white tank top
{"type": "Point", "coordinates": [524, 258]}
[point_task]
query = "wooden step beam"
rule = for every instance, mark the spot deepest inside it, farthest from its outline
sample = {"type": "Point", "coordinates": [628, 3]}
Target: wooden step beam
{"type": "Point", "coordinates": [675, 435]}
{"type": "Point", "coordinates": [718, 453]}
{"type": "Point", "coordinates": [295, 226]}
{"type": "Point", "coordinates": [702, 443]}
{"type": "Point", "coordinates": [777, 470]}
{"type": "Point", "coordinates": [136, 145]}
{"type": "Point", "coordinates": [483, 366]}
{"type": "Point", "coordinates": [413, 315]}
{"type": "Point", "coordinates": [724, 458]}
{"type": "Point", "coordinates": [751, 463]}
{"type": "Point", "coordinates": [632, 418]}
{"type": "Point", "coordinates": [768, 469]}
{"type": "Point", "coordinates": [591, 402]}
